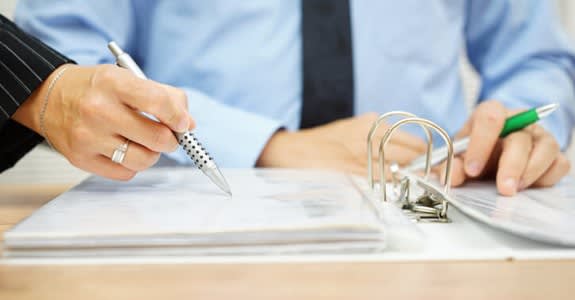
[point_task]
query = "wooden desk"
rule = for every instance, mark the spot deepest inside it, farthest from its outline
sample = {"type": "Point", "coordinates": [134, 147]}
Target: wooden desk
{"type": "Point", "coordinates": [379, 280]}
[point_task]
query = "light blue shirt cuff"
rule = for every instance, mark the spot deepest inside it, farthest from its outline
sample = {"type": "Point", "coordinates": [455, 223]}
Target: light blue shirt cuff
{"type": "Point", "coordinates": [233, 137]}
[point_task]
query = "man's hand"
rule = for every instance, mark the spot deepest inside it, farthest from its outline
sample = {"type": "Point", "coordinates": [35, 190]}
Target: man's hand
{"type": "Point", "coordinates": [530, 157]}
{"type": "Point", "coordinates": [93, 110]}
{"type": "Point", "coordinates": [340, 145]}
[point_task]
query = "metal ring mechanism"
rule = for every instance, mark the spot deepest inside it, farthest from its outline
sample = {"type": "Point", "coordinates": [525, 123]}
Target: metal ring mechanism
{"type": "Point", "coordinates": [432, 204]}
{"type": "Point", "coordinates": [394, 166]}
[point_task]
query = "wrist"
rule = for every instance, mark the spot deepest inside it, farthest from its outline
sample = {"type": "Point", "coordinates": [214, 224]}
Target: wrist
{"type": "Point", "coordinates": [28, 114]}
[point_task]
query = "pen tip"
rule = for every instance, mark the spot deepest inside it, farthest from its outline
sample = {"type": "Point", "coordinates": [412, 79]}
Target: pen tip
{"type": "Point", "coordinates": [216, 176]}
{"type": "Point", "coordinates": [224, 186]}
{"type": "Point", "coordinates": [546, 110]}
{"type": "Point", "coordinates": [226, 189]}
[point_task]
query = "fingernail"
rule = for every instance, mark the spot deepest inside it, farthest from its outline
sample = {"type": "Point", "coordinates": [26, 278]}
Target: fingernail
{"type": "Point", "coordinates": [511, 183]}
{"type": "Point", "coordinates": [183, 125]}
{"type": "Point", "coordinates": [473, 168]}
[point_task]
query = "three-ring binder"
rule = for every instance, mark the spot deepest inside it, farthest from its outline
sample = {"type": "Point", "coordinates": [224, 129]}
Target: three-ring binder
{"type": "Point", "coordinates": [432, 204]}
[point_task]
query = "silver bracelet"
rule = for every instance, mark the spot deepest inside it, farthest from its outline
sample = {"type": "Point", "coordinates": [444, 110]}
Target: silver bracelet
{"type": "Point", "coordinates": [45, 104]}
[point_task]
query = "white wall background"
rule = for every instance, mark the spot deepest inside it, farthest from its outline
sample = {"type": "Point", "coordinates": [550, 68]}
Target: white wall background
{"type": "Point", "coordinates": [44, 166]}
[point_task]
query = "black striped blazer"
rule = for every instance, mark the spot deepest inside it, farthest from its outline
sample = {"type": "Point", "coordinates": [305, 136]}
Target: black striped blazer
{"type": "Point", "coordinates": [25, 63]}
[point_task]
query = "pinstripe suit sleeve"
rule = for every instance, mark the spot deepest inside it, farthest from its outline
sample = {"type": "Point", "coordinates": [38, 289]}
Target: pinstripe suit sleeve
{"type": "Point", "coordinates": [25, 63]}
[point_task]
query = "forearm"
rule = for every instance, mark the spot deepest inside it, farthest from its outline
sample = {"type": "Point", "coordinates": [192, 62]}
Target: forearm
{"type": "Point", "coordinates": [25, 63]}
{"type": "Point", "coordinates": [20, 133]}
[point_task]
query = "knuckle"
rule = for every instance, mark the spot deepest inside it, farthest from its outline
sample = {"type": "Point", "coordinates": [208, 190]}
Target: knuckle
{"type": "Point", "coordinates": [517, 137]}
{"type": "Point", "coordinates": [567, 167]}
{"type": "Point", "coordinates": [176, 110]}
{"type": "Point", "coordinates": [151, 159]}
{"type": "Point", "coordinates": [80, 135]}
{"type": "Point", "coordinates": [532, 171]}
{"type": "Point", "coordinates": [513, 167]}
{"type": "Point", "coordinates": [545, 183]}
{"type": "Point", "coordinates": [159, 94]}
{"type": "Point", "coordinates": [138, 165]}
{"type": "Point", "coordinates": [76, 159]}
{"type": "Point", "coordinates": [147, 160]}
{"type": "Point", "coordinates": [159, 102]}
{"type": "Point", "coordinates": [494, 117]}
{"type": "Point", "coordinates": [73, 161]}
{"type": "Point", "coordinates": [553, 145]}
{"type": "Point", "coordinates": [92, 106]}
{"type": "Point", "coordinates": [182, 97]}
{"type": "Point", "coordinates": [104, 74]}
{"type": "Point", "coordinates": [162, 138]}
{"type": "Point", "coordinates": [492, 105]}
{"type": "Point", "coordinates": [550, 144]}
{"type": "Point", "coordinates": [175, 116]}
{"type": "Point", "coordinates": [564, 164]}
{"type": "Point", "coordinates": [537, 130]}
{"type": "Point", "coordinates": [76, 153]}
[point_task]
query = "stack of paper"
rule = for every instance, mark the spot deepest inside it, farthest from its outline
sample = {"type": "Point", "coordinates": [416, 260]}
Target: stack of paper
{"type": "Point", "coordinates": [179, 212]}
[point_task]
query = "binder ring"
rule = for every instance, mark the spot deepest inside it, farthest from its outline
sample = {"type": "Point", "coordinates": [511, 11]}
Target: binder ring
{"type": "Point", "coordinates": [374, 128]}
{"type": "Point", "coordinates": [428, 124]}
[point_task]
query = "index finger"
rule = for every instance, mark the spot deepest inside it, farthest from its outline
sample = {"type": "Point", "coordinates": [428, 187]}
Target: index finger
{"type": "Point", "coordinates": [167, 105]}
{"type": "Point", "coordinates": [486, 126]}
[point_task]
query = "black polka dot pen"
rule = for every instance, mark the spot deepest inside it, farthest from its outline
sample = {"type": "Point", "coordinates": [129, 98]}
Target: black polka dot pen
{"type": "Point", "coordinates": [187, 140]}
{"type": "Point", "coordinates": [203, 160]}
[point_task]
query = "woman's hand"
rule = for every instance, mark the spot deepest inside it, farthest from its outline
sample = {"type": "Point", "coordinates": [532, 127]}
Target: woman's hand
{"type": "Point", "coordinates": [91, 111]}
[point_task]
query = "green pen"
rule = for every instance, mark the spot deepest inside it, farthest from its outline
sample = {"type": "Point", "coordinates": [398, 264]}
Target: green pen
{"type": "Point", "coordinates": [512, 124]}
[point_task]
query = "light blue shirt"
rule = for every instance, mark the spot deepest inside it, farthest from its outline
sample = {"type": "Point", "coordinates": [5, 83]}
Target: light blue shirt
{"type": "Point", "coordinates": [240, 61]}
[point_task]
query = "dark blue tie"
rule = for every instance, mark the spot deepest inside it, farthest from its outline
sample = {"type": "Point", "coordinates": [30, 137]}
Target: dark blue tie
{"type": "Point", "coordinates": [327, 62]}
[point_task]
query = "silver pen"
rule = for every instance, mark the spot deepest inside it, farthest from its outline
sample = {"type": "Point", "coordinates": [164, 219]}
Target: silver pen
{"type": "Point", "coordinates": [187, 140]}
{"type": "Point", "coordinates": [512, 124]}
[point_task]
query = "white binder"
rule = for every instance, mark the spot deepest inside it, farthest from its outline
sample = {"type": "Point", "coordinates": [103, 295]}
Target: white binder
{"type": "Point", "coordinates": [176, 212]}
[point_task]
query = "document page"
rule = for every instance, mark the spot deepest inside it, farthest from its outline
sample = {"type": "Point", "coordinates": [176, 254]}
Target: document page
{"type": "Point", "coordinates": [181, 206]}
{"type": "Point", "coordinates": [545, 214]}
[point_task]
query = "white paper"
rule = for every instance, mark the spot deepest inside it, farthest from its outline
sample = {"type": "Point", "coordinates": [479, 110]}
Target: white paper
{"type": "Point", "coordinates": [546, 215]}
{"type": "Point", "coordinates": [181, 207]}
